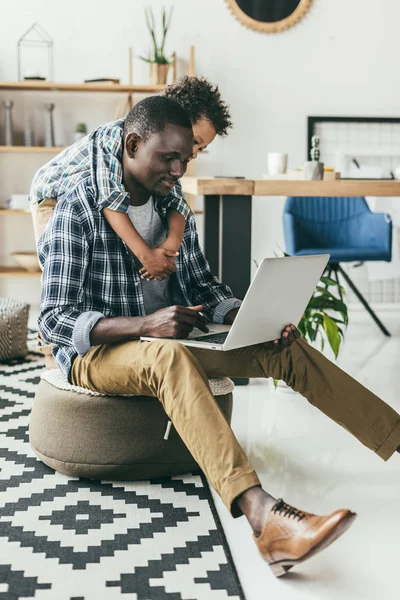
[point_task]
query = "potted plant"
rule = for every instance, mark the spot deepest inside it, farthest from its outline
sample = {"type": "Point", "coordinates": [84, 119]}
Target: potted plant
{"type": "Point", "coordinates": [158, 62]}
{"type": "Point", "coordinates": [313, 169]}
{"type": "Point", "coordinates": [80, 131]}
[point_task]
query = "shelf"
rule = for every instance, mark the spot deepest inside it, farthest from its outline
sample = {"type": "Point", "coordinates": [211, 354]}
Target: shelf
{"type": "Point", "coordinates": [14, 211]}
{"type": "Point", "coordinates": [33, 149]}
{"type": "Point", "coordinates": [48, 86]}
{"type": "Point", "coordinates": [18, 272]}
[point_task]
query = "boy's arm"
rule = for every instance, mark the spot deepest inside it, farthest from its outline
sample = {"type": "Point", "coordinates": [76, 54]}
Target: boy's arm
{"type": "Point", "coordinates": [123, 227]}
{"type": "Point", "coordinates": [176, 228]}
{"type": "Point", "coordinates": [157, 262]}
{"type": "Point", "coordinates": [177, 201]}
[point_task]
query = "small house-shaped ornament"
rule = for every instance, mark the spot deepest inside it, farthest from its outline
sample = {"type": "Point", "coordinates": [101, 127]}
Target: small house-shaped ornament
{"type": "Point", "coordinates": [35, 55]}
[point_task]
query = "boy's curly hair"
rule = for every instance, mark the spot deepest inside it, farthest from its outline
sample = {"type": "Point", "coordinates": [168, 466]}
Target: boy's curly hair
{"type": "Point", "coordinates": [200, 98]}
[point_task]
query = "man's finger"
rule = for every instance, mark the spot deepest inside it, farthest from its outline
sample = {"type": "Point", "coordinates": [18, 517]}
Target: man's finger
{"type": "Point", "coordinates": [193, 318]}
{"type": "Point", "coordinates": [195, 322]}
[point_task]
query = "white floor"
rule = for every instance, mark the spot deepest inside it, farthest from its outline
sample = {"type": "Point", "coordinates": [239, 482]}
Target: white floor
{"type": "Point", "coordinates": [317, 466]}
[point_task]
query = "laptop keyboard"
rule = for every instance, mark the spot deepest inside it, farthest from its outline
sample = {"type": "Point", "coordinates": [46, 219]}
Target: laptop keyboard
{"type": "Point", "coordinates": [213, 338]}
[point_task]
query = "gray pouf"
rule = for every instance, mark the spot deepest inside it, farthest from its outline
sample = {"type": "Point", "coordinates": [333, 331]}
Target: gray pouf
{"type": "Point", "coordinates": [13, 328]}
{"type": "Point", "coordinates": [109, 437]}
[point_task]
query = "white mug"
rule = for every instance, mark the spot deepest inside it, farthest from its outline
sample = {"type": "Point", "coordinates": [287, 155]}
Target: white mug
{"type": "Point", "coordinates": [277, 163]}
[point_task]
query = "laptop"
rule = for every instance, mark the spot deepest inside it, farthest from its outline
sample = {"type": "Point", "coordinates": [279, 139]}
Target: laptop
{"type": "Point", "coordinates": [277, 296]}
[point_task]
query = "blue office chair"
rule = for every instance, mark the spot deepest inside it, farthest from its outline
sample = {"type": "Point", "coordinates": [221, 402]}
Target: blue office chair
{"type": "Point", "coordinates": [345, 228]}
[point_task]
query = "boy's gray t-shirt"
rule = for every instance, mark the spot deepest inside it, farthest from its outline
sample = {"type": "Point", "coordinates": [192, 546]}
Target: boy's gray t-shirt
{"type": "Point", "coordinates": [149, 225]}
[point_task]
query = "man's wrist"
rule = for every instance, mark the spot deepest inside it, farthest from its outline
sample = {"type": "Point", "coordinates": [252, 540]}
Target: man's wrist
{"type": "Point", "coordinates": [231, 316]}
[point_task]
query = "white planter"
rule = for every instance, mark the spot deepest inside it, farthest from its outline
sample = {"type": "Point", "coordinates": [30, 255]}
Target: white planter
{"type": "Point", "coordinates": [313, 170]}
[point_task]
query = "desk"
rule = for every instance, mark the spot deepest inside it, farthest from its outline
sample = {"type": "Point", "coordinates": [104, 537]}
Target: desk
{"type": "Point", "coordinates": [227, 223]}
{"type": "Point", "coordinates": [227, 227]}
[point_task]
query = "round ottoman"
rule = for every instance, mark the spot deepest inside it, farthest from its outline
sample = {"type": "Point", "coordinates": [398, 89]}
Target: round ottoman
{"type": "Point", "coordinates": [110, 437]}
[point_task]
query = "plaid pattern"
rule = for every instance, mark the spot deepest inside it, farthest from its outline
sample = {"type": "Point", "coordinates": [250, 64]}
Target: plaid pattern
{"type": "Point", "coordinates": [87, 267]}
{"type": "Point", "coordinates": [97, 157]}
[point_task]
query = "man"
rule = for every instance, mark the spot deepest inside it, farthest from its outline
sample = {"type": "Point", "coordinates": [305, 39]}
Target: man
{"type": "Point", "coordinates": [94, 307]}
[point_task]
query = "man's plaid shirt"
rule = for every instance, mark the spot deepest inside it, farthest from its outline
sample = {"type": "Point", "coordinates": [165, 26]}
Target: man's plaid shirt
{"type": "Point", "coordinates": [88, 272]}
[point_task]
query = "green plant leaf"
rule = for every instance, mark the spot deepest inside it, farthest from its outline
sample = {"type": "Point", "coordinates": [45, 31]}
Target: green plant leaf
{"type": "Point", "coordinates": [301, 327]}
{"type": "Point", "coordinates": [328, 280]}
{"type": "Point", "coordinates": [335, 304]}
{"type": "Point", "coordinates": [332, 333]}
{"type": "Point", "coordinates": [310, 331]}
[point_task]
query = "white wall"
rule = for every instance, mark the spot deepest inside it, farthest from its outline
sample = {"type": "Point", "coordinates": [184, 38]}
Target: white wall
{"type": "Point", "coordinates": [340, 60]}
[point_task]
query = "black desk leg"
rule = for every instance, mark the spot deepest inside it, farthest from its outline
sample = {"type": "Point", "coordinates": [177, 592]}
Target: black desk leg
{"type": "Point", "coordinates": [227, 243]}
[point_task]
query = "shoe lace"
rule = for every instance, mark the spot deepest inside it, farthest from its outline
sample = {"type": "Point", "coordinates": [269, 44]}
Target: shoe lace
{"type": "Point", "coordinates": [287, 510]}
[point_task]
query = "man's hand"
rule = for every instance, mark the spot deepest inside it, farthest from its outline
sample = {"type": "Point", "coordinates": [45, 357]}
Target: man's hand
{"type": "Point", "coordinates": [231, 316]}
{"type": "Point", "coordinates": [289, 334]}
{"type": "Point", "coordinates": [174, 322]}
{"type": "Point", "coordinates": [158, 263]}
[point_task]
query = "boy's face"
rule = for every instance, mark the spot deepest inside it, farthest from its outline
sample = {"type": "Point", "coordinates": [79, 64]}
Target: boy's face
{"type": "Point", "coordinates": [157, 163]}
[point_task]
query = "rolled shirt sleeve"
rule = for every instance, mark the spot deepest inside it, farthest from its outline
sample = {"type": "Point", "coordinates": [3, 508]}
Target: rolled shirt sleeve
{"type": "Point", "coordinates": [83, 326]}
{"type": "Point", "coordinates": [222, 309]}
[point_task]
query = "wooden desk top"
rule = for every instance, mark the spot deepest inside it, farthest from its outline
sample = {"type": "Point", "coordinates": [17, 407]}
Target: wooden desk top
{"type": "Point", "coordinates": [333, 187]}
{"type": "Point", "coordinates": [205, 186]}
{"type": "Point", "coordinates": [208, 186]}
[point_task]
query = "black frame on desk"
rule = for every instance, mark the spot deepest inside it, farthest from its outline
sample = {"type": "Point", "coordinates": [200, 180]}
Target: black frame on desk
{"type": "Point", "coordinates": [311, 121]}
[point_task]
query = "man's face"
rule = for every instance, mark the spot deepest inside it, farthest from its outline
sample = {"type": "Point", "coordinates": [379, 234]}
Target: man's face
{"type": "Point", "coordinates": [157, 163]}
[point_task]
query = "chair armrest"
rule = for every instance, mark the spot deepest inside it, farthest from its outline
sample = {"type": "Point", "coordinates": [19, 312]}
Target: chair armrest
{"type": "Point", "coordinates": [375, 230]}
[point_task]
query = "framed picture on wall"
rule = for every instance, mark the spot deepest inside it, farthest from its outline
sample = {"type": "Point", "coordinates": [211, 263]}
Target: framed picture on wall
{"type": "Point", "coordinates": [358, 147]}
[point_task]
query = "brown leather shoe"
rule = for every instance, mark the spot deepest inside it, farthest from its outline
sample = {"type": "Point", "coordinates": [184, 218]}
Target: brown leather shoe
{"type": "Point", "coordinates": [290, 536]}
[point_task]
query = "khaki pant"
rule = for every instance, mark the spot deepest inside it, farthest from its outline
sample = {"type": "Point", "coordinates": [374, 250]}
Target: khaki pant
{"type": "Point", "coordinates": [178, 376]}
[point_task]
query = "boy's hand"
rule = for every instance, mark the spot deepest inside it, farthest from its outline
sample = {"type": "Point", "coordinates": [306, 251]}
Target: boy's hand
{"type": "Point", "coordinates": [171, 244]}
{"type": "Point", "coordinates": [158, 263]}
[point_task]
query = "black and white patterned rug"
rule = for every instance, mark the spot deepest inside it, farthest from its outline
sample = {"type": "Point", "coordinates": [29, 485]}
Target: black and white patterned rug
{"type": "Point", "coordinates": [63, 538]}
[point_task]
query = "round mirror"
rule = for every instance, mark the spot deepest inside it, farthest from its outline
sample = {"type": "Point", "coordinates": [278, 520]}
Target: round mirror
{"type": "Point", "coordinates": [270, 16]}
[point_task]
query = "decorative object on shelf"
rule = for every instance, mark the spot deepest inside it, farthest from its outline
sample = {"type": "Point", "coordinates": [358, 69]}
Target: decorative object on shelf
{"type": "Point", "coordinates": [49, 125]}
{"type": "Point", "coordinates": [27, 260]}
{"type": "Point", "coordinates": [14, 316]}
{"type": "Point", "coordinates": [28, 137]}
{"type": "Point", "coordinates": [269, 17]}
{"type": "Point", "coordinates": [159, 64]}
{"type": "Point", "coordinates": [298, 175]}
{"type": "Point", "coordinates": [277, 163]}
{"type": "Point", "coordinates": [80, 131]}
{"type": "Point", "coordinates": [8, 126]}
{"type": "Point", "coordinates": [36, 37]}
{"type": "Point", "coordinates": [102, 80]}
{"type": "Point", "coordinates": [18, 202]}
{"type": "Point", "coordinates": [313, 169]}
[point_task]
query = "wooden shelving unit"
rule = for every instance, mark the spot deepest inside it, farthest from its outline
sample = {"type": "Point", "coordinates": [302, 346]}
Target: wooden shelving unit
{"type": "Point", "coordinates": [18, 272]}
{"type": "Point", "coordinates": [48, 86]}
{"type": "Point", "coordinates": [31, 149]}
{"type": "Point", "coordinates": [14, 211]}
